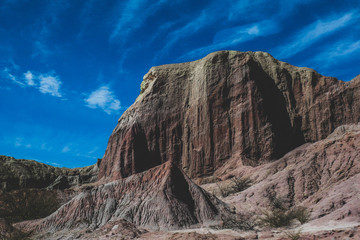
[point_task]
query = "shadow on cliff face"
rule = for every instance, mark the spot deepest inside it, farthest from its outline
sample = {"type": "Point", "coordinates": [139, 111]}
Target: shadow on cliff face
{"type": "Point", "coordinates": [144, 158]}
{"type": "Point", "coordinates": [273, 107]}
{"type": "Point", "coordinates": [226, 105]}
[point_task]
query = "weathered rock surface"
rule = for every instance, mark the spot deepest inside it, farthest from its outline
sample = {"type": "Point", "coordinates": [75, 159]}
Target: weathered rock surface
{"type": "Point", "coordinates": [20, 173]}
{"type": "Point", "coordinates": [159, 198]}
{"type": "Point", "coordinates": [118, 229]}
{"type": "Point", "coordinates": [9, 232]}
{"type": "Point", "coordinates": [323, 176]}
{"type": "Point", "coordinates": [31, 190]}
{"type": "Point", "coordinates": [228, 105]}
{"type": "Point", "coordinates": [31, 203]}
{"type": "Point", "coordinates": [228, 114]}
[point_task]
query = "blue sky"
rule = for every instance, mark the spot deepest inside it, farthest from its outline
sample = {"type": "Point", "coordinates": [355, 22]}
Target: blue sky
{"type": "Point", "coordinates": [69, 69]}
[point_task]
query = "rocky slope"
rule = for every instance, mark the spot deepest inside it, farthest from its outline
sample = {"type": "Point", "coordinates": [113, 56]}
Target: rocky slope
{"type": "Point", "coordinates": [9, 232]}
{"type": "Point", "coordinates": [159, 198]}
{"type": "Point", "coordinates": [31, 190]}
{"type": "Point", "coordinates": [229, 114]}
{"type": "Point", "coordinates": [20, 173]}
{"type": "Point", "coordinates": [228, 105]}
{"type": "Point", "coordinates": [324, 177]}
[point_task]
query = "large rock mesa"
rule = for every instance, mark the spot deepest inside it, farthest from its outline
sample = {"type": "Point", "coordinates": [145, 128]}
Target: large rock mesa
{"type": "Point", "coordinates": [228, 105]}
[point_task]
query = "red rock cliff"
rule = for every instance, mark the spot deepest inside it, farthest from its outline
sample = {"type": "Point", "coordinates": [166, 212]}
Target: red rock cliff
{"type": "Point", "coordinates": [225, 106]}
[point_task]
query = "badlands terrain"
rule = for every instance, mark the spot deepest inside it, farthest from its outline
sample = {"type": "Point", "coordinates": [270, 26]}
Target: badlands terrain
{"type": "Point", "coordinates": [237, 145]}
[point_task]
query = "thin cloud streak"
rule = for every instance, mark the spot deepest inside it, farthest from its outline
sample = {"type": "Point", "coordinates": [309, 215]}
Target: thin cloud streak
{"type": "Point", "coordinates": [257, 9]}
{"type": "Point", "coordinates": [189, 29]}
{"type": "Point", "coordinates": [10, 76]}
{"type": "Point", "coordinates": [233, 36]}
{"type": "Point", "coordinates": [43, 29]}
{"type": "Point", "coordinates": [133, 16]}
{"type": "Point", "coordinates": [334, 54]}
{"type": "Point", "coordinates": [215, 15]}
{"type": "Point", "coordinates": [314, 33]}
{"type": "Point", "coordinates": [127, 16]}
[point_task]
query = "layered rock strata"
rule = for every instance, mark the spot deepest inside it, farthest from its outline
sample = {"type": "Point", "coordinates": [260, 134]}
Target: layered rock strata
{"type": "Point", "coordinates": [228, 105]}
{"type": "Point", "coordinates": [323, 176]}
{"type": "Point", "coordinates": [160, 198]}
{"type": "Point", "coordinates": [31, 190]}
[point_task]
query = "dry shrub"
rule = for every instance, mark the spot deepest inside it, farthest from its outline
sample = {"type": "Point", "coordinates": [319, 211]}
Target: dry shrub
{"type": "Point", "coordinates": [294, 235]}
{"type": "Point", "coordinates": [238, 184]}
{"type": "Point", "coordinates": [282, 216]}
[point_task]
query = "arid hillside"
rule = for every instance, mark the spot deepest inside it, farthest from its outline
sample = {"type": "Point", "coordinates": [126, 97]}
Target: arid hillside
{"type": "Point", "coordinates": [237, 145]}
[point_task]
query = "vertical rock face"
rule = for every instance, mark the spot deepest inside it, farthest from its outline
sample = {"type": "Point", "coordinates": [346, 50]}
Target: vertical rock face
{"type": "Point", "coordinates": [227, 105]}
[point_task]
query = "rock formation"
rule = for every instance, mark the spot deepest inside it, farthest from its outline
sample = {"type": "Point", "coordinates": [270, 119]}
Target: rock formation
{"type": "Point", "coordinates": [31, 190]}
{"type": "Point", "coordinates": [9, 232]}
{"type": "Point", "coordinates": [228, 114]}
{"type": "Point", "coordinates": [228, 105]}
{"type": "Point", "coordinates": [20, 173]}
{"type": "Point", "coordinates": [159, 198]}
{"type": "Point", "coordinates": [322, 176]}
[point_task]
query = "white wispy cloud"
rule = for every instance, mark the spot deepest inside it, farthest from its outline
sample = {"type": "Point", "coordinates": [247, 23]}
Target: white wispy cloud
{"type": "Point", "coordinates": [261, 9]}
{"type": "Point", "coordinates": [229, 13]}
{"type": "Point", "coordinates": [43, 27]}
{"type": "Point", "coordinates": [93, 150]}
{"type": "Point", "coordinates": [103, 98]}
{"type": "Point", "coordinates": [229, 37]}
{"type": "Point", "coordinates": [133, 15]}
{"type": "Point", "coordinates": [65, 149]}
{"type": "Point", "coordinates": [40, 49]}
{"type": "Point", "coordinates": [46, 83]}
{"type": "Point", "coordinates": [8, 75]}
{"type": "Point", "coordinates": [18, 142]}
{"type": "Point", "coordinates": [50, 85]}
{"type": "Point", "coordinates": [314, 33]}
{"type": "Point", "coordinates": [29, 77]}
{"type": "Point", "coordinates": [54, 164]}
{"type": "Point", "coordinates": [252, 8]}
{"type": "Point", "coordinates": [46, 147]}
{"type": "Point", "coordinates": [127, 16]}
{"type": "Point", "coordinates": [334, 54]}
{"type": "Point", "coordinates": [203, 20]}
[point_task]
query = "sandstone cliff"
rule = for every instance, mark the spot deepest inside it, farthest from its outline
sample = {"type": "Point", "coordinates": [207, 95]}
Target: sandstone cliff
{"type": "Point", "coordinates": [229, 114]}
{"type": "Point", "coordinates": [229, 105]}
